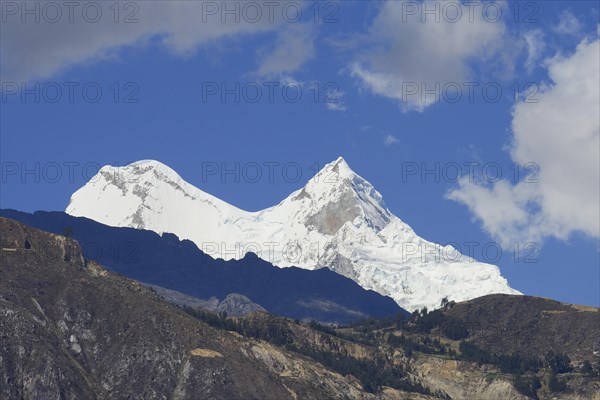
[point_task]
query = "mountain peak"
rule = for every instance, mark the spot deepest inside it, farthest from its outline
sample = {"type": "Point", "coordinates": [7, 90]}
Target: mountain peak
{"type": "Point", "coordinates": [144, 167]}
{"type": "Point", "coordinates": [340, 161]}
{"type": "Point", "coordinates": [137, 195]}
{"type": "Point", "coordinates": [149, 164]}
{"type": "Point", "coordinates": [338, 177]}
{"type": "Point", "coordinates": [338, 167]}
{"type": "Point", "coordinates": [335, 176]}
{"type": "Point", "coordinates": [336, 196]}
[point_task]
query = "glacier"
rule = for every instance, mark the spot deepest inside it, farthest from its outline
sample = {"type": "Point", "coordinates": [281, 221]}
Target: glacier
{"type": "Point", "coordinates": [337, 220]}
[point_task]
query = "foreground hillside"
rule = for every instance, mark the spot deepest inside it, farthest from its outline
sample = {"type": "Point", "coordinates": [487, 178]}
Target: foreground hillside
{"type": "Point", "coordinates": [441, 353]}
{"type": "Point", "coordinates": [530, 326]}
{"type": "Point", "coordinates": [72, 330]}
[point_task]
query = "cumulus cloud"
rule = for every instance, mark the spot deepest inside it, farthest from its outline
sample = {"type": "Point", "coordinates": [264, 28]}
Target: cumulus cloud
{"type": "Point", "coordinates": [561, 134]}
{"type": "Point", "coordinates": [408, 49]}
{"type": "Point", "coordinates": [294, 47]}
{"type": "Point", "coordinates": [35, 50]}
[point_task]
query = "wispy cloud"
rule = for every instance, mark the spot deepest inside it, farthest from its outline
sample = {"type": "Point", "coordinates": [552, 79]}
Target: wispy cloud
{"type": "Point", "coordinates": [293, 48]}
{"type": "Point", "coordinates": [30, 50]}
{"type": "Point", "coordinates": [390, 140]}
{"type": "Point", "coordinates": [534, 40]}
{"type": "Point", "coordinates": [568, 24]}
{"type": "Point", "coordinates": [334, 101]}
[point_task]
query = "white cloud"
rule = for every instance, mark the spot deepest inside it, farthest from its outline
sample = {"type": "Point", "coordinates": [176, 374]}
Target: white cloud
{"type": "Point", "coordinates": [40, 50]}
{"type": "Point", "coordinates": [334, 101]}
{"type": "Point", "coordinates": [406, 50]}
{"type": "Point", "coordinates": [568, 24]}
{"type": "Point", "coordinates": [294, 47]}
{"type": "Point", "coordinates": [390, 140]}
{"type": "Point", "coordinates": [534, 41]}
{"type": "Point", "coordinates": [289, 81]}
{"type": "Point", "coordinates": [561, 134]}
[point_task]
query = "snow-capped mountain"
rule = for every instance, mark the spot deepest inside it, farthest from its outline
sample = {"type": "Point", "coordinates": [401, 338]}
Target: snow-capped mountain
{"type": "Point", "coordinates": [338, 220]}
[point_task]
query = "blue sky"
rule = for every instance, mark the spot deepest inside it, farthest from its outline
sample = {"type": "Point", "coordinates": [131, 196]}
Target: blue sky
{"type": "Point", "coordinates": [360, 67]}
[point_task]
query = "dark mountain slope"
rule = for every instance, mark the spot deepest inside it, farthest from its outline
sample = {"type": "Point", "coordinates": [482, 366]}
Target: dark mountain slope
{"type": "Point", "coordinates": [179, 265]}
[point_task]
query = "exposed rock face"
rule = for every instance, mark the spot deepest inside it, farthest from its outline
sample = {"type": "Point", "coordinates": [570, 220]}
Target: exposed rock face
{"type": "Point", "coordinates": [461, 380]}
{"type": "Point", "coordinates": [334, 215]}
{"type": "Point", "coordinates": [234, 304]}
{"type": "Point", "coordinates": [237, 305]}
{"type": "Point", "coordinates": [72, 330]}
